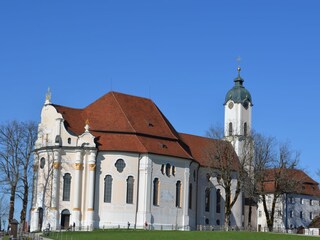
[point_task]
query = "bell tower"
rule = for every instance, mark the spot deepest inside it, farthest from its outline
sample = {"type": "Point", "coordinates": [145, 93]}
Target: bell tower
{"type": "Point", "coordinates": [237, 114]}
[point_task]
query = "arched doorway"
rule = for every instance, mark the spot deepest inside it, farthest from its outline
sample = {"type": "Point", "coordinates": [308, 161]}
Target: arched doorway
{"type": "Point", "coordinates": [40, 210]}
{"type": "Point", "coordinates": [65, 219]}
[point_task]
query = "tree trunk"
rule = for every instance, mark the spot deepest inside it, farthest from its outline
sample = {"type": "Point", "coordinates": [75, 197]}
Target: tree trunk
{"type": "Point", "coordinates": [227, 208]}
{"type": "Point", "coordinates": [12, 199]}
{"type": "Point", "coordinates": [250, 213]}
{"type": "Point", "coordinates": [24, 206]}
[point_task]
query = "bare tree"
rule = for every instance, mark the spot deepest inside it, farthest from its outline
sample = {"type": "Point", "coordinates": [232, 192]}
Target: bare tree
{"type": "Point", "coordinates": [16, 141]}
{"type": "Point", "coordinates": [29, 138]}
{"type": "Point", "coordinates": [222, 158]}
{"type": "Point", "coordinates": [272, 173]}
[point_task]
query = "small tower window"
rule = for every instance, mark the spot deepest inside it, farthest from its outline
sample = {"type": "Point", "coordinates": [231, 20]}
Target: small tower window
{"type": "Point", "coordinates": [230, 129]}
{"type": "Point", "coordinates": [42, 162]}
{"type": "Point", "coordinates": [245, 129]}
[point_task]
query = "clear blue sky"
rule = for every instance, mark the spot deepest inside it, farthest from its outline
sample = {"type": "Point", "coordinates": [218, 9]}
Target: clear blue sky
{"type": "Point", "coordinates": [180, 53]}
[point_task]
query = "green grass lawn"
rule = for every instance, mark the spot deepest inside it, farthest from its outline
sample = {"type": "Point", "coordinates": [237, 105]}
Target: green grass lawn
{"type": "Point", "coordinates": [174, 235]}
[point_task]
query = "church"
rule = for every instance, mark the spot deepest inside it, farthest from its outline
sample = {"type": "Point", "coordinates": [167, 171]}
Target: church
{"type": "Point", "coordinates": [119, 162]}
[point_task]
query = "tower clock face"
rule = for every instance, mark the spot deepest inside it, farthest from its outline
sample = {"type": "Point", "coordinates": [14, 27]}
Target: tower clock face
{"type": "Point", "coordinates": [230, 105]}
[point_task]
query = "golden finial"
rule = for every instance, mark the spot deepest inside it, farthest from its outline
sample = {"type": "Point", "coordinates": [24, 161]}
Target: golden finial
{"type": "Point", "coordinates": [239, 68]}
{"type": "Point", "coordinates": [48, 96]}
{"type": "Point", "coordinates": [87, 127]}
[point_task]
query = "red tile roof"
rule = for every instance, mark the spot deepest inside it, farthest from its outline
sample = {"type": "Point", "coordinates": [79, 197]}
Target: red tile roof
{"type": "Point", "coordinates": [122, 122]}
{"type": "Point", "coordinates": [203, 150]}
{"type": "Point", "coordinates": [304, 184]}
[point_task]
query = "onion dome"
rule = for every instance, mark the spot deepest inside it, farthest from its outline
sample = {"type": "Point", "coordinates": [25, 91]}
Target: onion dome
{"type": "Point", "coordinates": [239, 94]}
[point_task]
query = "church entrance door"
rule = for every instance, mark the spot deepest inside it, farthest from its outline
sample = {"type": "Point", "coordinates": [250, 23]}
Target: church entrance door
{"type": "Point", "coordinates": [65, 219]}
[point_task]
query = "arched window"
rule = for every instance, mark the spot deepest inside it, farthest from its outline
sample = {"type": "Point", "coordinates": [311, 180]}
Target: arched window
{"type": "Point", "coordinates": [107, 189]}
{"type": "Point", "coordinates": [190, 196]}
{"type": "Point", "coordinates": [168, 168]}
{"type": "Point", "coordinates": [130, 181]}
{"type": "Point", "coordinates": [162, 168]}
{"type": "Point", "coordinates": [245, 129]}
{"type": "Point", "coordinates": [207, 200]}
{"type": "Point", "coordinates": [230, 129]}
{"type": "Point", "coordinates": [218, 203]}
{"type": "Point", "coordinates": [42, 162]}
{"type": "Point", "coordinates": [178, 194]}
{"type": "Point", "coordinates": [66, 187]}
{"type": "Point", "coordinates": [173, 170]}
{"type": "Point", "coordinates": [156, 188]}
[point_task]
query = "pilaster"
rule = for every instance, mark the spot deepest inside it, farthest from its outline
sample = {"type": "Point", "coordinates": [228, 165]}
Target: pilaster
{"type": "Point", "coordinates": [91, 176]}
{"type": "Point", "coordinates": [144, 191]}
{"type": "Point", "coordinates": [185, 204]}
{"type": "Point", "coordinates": [56, 165]}
{"type": "Point", "coordinates": [78, 167]}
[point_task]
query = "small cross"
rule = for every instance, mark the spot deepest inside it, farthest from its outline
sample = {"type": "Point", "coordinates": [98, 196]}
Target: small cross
{"type": "Point", "coordinates": [239, 68]}
{"type": "Point", "coordinates": [238, 60]}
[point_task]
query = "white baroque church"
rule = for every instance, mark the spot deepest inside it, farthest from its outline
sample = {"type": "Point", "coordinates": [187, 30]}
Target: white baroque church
{"type": "Point", "coordinates": [119, 161]}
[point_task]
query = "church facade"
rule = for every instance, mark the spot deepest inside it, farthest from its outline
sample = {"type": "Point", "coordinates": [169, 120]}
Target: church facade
{"type": "Point", "coordinates": [119, 162]}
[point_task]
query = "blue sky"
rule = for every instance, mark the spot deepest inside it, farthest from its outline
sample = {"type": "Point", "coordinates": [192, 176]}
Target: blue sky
{"type": "Point", "coordinates": [180, 53]}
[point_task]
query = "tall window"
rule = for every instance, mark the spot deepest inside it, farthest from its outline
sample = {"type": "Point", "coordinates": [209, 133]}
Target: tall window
{"type": "Point", "coordinates": [311, 202]}
{"type": "Point", "coordinates": [218, 204]}
{"type": "Point", "coordinates": [230, 129]}
{"type": "Point", "coordinates": [245, 129]}
{"type": "Point", "coordinates": [291, 214]}
{"type": "Point", "coordinates": [311, 215]}
{"type": "Point", "coordinates": [207, 200]}
{"type": "Point", "coordinates": [190, 196]}
{"type": "Point", "coordinates": [130, 181]}
{"type": "Point", "coordinates": [301, 214]}
{"type": "Point", "coordinates": [107, 189]}
{"type": "Point", "coordinates": [156, 188]}
{"type": "Point", "coordinates": [178, 194]}
{"type": "Point", "coordinates": [66, 187]}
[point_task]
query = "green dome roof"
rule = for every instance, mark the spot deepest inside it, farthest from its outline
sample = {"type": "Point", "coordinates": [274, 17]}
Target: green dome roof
{"type": "Point", "coordinates": [239, 94]}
